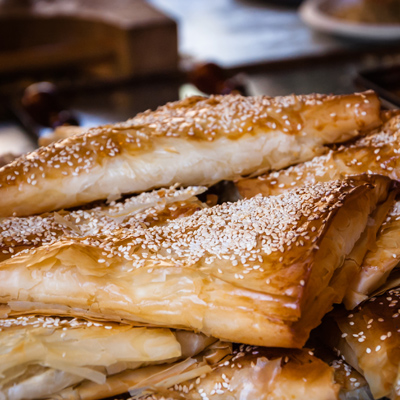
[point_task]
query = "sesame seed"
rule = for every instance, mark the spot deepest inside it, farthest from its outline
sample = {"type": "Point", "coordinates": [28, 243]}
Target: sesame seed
{"type": "Point", "coordinates": [384, 140]}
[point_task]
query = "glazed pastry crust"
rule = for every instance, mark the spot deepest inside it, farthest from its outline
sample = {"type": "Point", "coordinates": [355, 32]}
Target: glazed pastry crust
{"type": "Point", "coordinates": [369, 340]}
{"type": "Point", "coordinates": [260, 373]}
{"type": "Point", "coordinates": [20, 234]}
{"type": "Point", "coordinates": [196, 141]}
{"type": "Point", "coordinates": [377, 153]}
{"type": "Point", "coordinates": [274, 263]}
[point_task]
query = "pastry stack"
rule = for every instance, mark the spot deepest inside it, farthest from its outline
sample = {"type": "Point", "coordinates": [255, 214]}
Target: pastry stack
{"type": "Point", "coordinates": [122, 275]}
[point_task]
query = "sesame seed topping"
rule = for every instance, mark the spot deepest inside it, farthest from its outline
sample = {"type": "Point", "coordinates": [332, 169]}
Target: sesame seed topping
{"type": "Point", "coordinates": [194, 118]}
{"type": "Point", "coordinates": [227, 233]}
{"type": "Point", "coordinates": [47, 322]}
{"type": "Point", "coordinates": [346, 160]}
{"type": "Point", "coordinates": [372, 330]}
{"type": "Point", "coordinates": [19, 234]}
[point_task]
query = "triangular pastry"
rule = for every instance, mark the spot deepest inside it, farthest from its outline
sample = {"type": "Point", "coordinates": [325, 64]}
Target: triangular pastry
{"type": "Point", "coordinates": [270, 263]}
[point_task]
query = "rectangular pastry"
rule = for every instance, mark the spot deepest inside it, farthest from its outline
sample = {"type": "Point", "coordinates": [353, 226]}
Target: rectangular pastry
{"type": "Point", "coordinates": [223, 372]}
{"type": "Point", "coordinates": [196, 141]}
{"type": "Point", "coordinates": [257, 373]}
{"type": "Point", "coordinates": [61, 358]}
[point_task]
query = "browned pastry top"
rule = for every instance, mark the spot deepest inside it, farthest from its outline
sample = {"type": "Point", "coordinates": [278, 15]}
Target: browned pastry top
{"type": "Point", "coordinates": [259, 373]}
{"type": "Point", "coordinates": [195, 118]}
{"type": "Point", "coordinates": [378, 153]}
{"type": "Point", "coordinates": [233, 116]}
{"type": "Point", "coordinates": [261, 242]}
{"type": "Point", "coordinates": [370, 341]}
{"type": "Point", "coordinates": [139, 212]}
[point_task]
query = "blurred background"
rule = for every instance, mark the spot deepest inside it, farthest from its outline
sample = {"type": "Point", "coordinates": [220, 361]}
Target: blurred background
{"type": "Point", "coordinates": [72, 64]}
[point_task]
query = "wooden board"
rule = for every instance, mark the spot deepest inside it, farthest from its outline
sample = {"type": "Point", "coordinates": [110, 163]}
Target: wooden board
{"type": "Point", "coordinates": [130, 37]}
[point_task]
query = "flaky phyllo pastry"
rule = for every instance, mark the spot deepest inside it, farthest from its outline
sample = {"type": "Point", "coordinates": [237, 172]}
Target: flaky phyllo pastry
{"type": "Point", "coordinates": [377, 153]}
{"type": "Point", "coordinates": [275, 264]}
{"type": "Point", "coordinates": [43, 356]}
{"type": "Point", "coordinates": [61, 358]}
{"type": "Point", "coordinates": [196, 141]}
{"type": "Point", "coordinates": [201, 358]}
{"type": "Point", "coordinates": [82, 360]}
{"type": "Point", "coordinates": [258, 373]}
{"type": "Point", "coordinates": [147, 209]}
{"type": "Point", "coordinates": [380, 265]}
{"type": "Point", "coordinates": [250, 372]}
{"type": "Point", "coordinates": [368, 338]}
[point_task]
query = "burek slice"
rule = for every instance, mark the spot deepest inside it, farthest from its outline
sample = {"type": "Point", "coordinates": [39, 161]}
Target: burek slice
{"type": "Point", "coordinates": [275, 263]}
{"type": "Point", "coordinates": [196, 141]}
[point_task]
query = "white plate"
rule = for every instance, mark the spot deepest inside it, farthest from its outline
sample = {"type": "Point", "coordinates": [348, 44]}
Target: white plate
{"type": "Point", "coordinates": [313, 13]}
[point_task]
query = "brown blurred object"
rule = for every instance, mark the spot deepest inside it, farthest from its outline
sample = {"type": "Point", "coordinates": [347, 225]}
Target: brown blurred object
{"type": "Point", "coordinates": [119, 38]}
{"type": "Point", "coordinates": [41, 101]}
{"type": "Point", "coordinates": [210, 78]}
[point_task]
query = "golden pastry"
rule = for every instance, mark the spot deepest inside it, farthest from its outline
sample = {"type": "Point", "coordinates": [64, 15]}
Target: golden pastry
{"type": "Point", "coordinates": [139, 380]}
{"type": "Point", "coordinates": [275, 264]}
{"type": "Point", "coordinates": [259, 373]}
{"type": "Point", "coordinates": [377, 153]}
{"type": "Point", "coordinates": [196, 141]}
{"type": "Point", "coordinates": [379, 262]}
{"type": "Point", "coordinates": [368, 338]}
{"type": "Point", "coordinates": [41, 356]}
{"type": "Point", "coordinates": [147, 209]}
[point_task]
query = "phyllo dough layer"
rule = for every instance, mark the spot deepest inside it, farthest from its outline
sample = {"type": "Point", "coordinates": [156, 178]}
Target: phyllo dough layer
{"type": "Point", "coordinates": [196, 141]}
{"type": "Point", "coordinates": [164, 375]}
{"type": "Point", "coordinates": [369, 339]}
{"type": "Point", "coordinates": [41, 356]}
{"type": "Point", "coordinates": [379, 262]}
{"type": "Point", "coordinates": [377, 153]}
{"type": "Point", "coordinates": [147, 209]}
{"type": "Point", "coordinates": [259, 373]}
{"type": "Point", "coordinates": [223, 372]}
{"type": "Point", "coordinates": [272, 265]}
